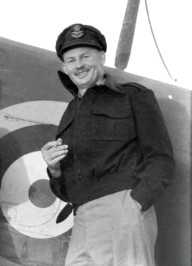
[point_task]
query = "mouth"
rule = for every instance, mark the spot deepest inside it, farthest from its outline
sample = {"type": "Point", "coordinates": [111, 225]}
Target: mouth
{"type": "Point", "coordinates": [82, 74]}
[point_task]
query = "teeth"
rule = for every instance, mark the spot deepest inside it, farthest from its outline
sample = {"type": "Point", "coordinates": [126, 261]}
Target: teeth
{"type": "Point", "coordinates": [83, 73]}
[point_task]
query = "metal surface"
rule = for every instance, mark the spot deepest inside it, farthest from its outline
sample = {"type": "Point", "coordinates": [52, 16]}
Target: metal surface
{"type": "Point", "coordinates": [31, 103]}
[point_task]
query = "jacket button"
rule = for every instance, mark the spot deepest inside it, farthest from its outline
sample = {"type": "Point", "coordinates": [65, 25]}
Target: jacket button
{"type": "Point", "coordinates": [79, 176]}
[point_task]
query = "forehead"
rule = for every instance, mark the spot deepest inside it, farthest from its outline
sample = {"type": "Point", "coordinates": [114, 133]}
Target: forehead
{"type": "Point", "coordinates": [79, 51]}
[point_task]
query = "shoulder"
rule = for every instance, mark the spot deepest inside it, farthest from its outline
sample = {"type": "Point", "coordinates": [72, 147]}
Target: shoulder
{"type": "Point", "coordinates": [134, 89]}
{"type": "Point", "coordinates": [140, 97]}
{"type": "Point", "coordinates": [128, 88]}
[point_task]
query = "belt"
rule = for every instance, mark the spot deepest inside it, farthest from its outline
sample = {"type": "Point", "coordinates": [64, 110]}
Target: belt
{"type": "Point", "coordinates": [65, 212]}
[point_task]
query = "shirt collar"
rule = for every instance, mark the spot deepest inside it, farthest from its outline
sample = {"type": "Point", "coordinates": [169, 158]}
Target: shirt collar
{"type": "Point", "coordinates": [109, 82]}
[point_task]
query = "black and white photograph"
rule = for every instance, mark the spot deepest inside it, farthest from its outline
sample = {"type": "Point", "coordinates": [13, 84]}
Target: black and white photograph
{"type": "Point", "coordinates": [95, 133]}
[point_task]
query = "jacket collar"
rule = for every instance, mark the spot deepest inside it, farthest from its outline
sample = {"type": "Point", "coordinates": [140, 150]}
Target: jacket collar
{"type": "Point", "coordinates": [109, 82]}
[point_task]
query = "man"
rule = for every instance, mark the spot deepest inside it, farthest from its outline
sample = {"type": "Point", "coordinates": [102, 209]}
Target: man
{"type": "Point", "coordinates": [111, 159]}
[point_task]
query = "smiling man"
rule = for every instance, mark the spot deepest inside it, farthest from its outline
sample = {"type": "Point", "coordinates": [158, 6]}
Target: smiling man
{"type": "Point", "coordinates": [111, 160]}
{"type": "Point", "coordinates": [84, 66]}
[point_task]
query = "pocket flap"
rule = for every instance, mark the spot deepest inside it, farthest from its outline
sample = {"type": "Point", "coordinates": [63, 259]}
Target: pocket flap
{"type": "Point", "coordinates": [112, 111]}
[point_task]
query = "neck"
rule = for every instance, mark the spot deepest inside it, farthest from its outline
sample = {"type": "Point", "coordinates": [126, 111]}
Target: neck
{"type": "Point", "coordinates": [82, 90]}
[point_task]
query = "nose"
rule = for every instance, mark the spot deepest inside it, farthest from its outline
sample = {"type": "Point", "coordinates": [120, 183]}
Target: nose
{"type": "Point", "coordinates": [79, 63]}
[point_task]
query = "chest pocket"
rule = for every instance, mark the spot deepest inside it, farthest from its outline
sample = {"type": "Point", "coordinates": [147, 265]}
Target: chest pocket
{"type": "Point", "coordinates": [112, 123]}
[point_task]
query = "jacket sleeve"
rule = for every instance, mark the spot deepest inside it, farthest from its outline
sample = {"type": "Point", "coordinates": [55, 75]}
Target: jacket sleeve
{"type": "Point", "coordinates": [156, 168]}
{"type": "Point", "coordinates": [57, 186]}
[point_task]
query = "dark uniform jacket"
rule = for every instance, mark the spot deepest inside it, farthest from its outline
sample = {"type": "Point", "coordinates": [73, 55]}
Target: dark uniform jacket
{"type": "Point", "coordinates": [117, 140]}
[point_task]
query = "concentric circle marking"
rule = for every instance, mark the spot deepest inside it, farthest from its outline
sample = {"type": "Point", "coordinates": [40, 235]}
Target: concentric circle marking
{"type": "Point", "coordinates": [19, 210]}
{"type": "Point", "coordinates": [26, 199]}
{"type": "Point", "coordinates": [40, 194]}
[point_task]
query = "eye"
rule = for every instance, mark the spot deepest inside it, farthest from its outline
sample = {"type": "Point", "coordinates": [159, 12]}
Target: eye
{"type": "Point", "coordinates": [69, 60]}
{"type": "Point", "coordinates": [86, 56]}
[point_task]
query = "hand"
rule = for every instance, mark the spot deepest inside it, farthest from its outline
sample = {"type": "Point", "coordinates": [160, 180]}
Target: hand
{"type": "Point", "coordinates": [137, 204]}
{"type": "Point", "coordinates": [53, 152]}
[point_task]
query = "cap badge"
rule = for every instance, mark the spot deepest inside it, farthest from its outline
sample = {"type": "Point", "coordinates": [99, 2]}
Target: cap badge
{"type": "Point", "coordinates": [77, 32]}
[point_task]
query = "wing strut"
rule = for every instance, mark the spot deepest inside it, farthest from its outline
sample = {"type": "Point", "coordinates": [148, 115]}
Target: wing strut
{"type": "Point", "coordinates": [127, 34]}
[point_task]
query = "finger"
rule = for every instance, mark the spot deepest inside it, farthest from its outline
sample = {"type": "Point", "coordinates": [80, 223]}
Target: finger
{"type": "Point", "coordinates": [49, 145]}
{"type": "Point", "coordinates": [58, 153]}
{"type": "Point", "coordinates": [54, 152]}
{"type": "Point", "coordinates": [61, 147]}
{"type": "Point", "coordinates": [51, 154]}
{"type": "Point", "coordinates": [56, 160]}
{"type": "Point", "coordinates": [59, 141]}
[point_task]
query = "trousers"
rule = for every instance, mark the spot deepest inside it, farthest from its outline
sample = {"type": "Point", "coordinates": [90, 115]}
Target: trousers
{"type": "Point", "coordinates": [112, 231]}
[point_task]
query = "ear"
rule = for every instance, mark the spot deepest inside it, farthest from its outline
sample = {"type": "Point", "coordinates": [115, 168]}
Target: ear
{"type": "Point", "coordinates": [103, 57]}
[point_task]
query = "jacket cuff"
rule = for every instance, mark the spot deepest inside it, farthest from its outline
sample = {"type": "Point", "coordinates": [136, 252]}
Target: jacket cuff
{"type": "Point", "coordinates": [50, 175]}
{"type": "Point", "coordinates": [144, 196]}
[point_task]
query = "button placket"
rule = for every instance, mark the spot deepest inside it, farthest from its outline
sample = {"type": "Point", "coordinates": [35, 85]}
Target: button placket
{"type": "Point", "coordinates": [75, 139]}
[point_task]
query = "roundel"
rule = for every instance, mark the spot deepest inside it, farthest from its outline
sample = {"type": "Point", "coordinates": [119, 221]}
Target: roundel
{"type": "Point", "coordinates": [27, 202]}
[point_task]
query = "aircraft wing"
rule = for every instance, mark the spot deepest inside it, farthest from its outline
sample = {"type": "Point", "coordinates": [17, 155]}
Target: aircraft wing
{"type": "Point", "coordinates": [32, 100]}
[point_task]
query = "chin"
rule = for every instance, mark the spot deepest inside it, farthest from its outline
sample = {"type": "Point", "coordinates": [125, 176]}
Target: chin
{"type": "Point", "coordinates": [85, 83]}
{"type": "Point", "coordinates": [88, 81]}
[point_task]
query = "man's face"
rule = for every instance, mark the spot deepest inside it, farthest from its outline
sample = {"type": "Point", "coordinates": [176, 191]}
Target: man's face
{"type": "Point", "coordinates": [84, 66]}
